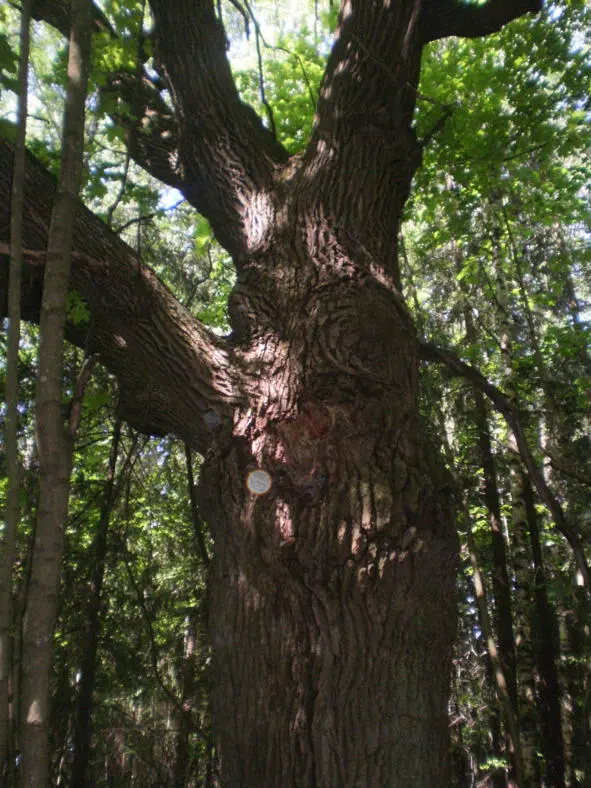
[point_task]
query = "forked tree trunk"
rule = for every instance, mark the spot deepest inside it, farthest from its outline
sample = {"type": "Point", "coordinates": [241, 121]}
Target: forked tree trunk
{"type": "Point", "coordinates": [332, 602]}
{"type": "Point", "coordinates": [332, 592]}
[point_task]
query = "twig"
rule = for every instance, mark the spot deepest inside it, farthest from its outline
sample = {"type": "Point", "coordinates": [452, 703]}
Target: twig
{"type": "Point", "coordinates": [121, 191]}
{"type": "Point", "coordinates": [146, 217]}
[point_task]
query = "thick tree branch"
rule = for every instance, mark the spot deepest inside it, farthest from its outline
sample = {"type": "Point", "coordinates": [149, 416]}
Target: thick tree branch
{"type": "Point", "coordinates": [454, 363]}
{"type": "Point", "coordinates": [153, 136]}
{"type": "Point", "coordinates": [216, 150]}
{"type": "Point", "coordinates": [364, 115]}
{"type": "Point", "coordinates": [441, 18]}
{"type": "Point", "coordinates": [58, 14]}
{"type": "Point", "coordinates": [171, 370]}
{"type": "Point", "coordinates": [227, 156]}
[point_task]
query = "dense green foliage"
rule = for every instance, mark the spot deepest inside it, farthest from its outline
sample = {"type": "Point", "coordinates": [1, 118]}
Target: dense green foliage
{"type": "Point", "coordinates": [496, 235]}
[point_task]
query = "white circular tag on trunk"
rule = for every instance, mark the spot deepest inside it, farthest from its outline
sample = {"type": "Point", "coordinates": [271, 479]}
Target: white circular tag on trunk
{"type": "Point", "coordinates": [258, 482]}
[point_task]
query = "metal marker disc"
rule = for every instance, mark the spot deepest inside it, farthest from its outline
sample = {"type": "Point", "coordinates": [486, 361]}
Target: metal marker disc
{"type": "Point", "coordinates": [258, 482]}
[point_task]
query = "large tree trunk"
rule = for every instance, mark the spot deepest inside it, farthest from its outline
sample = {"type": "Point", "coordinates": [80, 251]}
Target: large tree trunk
{"type": "Point", "coordinates": [328, 596]}
{"type": "Point", "coordinates": [332, 594]}
{"type": "Point", "coordinates": [329, 593]}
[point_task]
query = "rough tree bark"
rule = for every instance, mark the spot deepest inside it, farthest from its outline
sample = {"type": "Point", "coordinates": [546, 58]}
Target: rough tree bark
{"type": "Point", "coordinates": [332, 595]}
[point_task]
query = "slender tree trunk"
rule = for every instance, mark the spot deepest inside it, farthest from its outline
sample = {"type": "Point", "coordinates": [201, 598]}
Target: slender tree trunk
{"type": "Point", "coordinates": [544, 626]}
{"type": "Point", "coordinates": [498, 738]}
{"type": "Point", "coordinates": [500, 548]}
{"type": "Point", "coordinates": [523, 630]}
{"type": "Point", "coordinates": [83, 730]}
{"type": "Point", "coordinates": [546, 651]}
{"type": "Point", "coordinates": [20, 604]}
{"type": "Point", "coordinates": [53, 441]}
{"type": "Point", "coordinates": [522, 509]}
{"type": "Point", "coordinates": [185, 718]}
{"type": "Point", "coordinates": [578, 686]}
{"type": "Point", "coordinates": [8, 538]}
{"type": "Point", "coordinates": [502, 690]}
{"type": "Point", "coordinates": [521, 560]}
{"type": "Point", "coordinates": [503, 615]}
{"type": "Point", "coordinates": [196, 519]}
{"type": "Point", "coordinates": [501, 588]}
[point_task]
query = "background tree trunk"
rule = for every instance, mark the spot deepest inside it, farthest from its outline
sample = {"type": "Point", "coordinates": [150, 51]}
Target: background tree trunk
{"type": "Point", "coordinates": [524, 606]}
{"type": "Point", "coordinates": [547, 655]}
{"type": "Point", "coordinates": [503, 616]}
{"type": "Point", "coordinates": [8, 538]}
{"type": "Point", "coordinates": [501, 688]}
